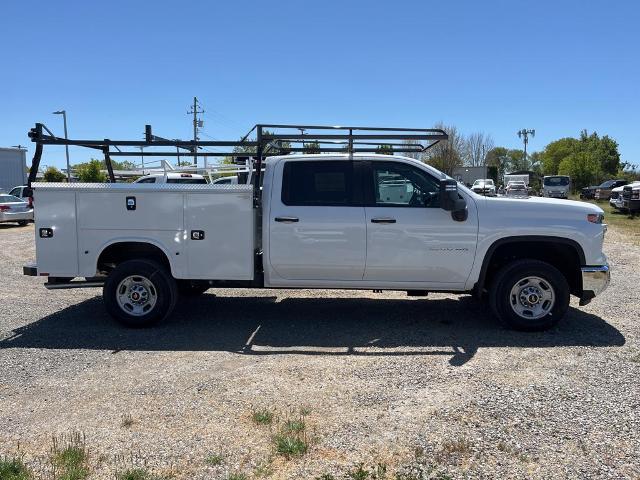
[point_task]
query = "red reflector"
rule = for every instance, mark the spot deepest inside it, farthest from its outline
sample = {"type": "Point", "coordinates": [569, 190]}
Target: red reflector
{"type": "Point", "coordinates": [4, 208]}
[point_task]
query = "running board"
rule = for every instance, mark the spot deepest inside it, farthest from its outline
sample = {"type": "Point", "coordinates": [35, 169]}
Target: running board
{"type": "Point", "coordinates": [76, 284]}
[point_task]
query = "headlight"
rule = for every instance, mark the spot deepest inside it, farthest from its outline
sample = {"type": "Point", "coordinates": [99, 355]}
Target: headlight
{"type": "Point", "coordinates": [595, 217]}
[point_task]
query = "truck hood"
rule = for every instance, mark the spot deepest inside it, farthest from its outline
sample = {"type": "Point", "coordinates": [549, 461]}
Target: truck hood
{"type": "Point", "coordinates": [552, 207]}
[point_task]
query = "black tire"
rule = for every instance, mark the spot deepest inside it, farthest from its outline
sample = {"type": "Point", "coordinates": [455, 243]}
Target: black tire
{"type": "Point", "coordinates": [515, 274]}
{"type": "Point", "coordinates": [23, 223]}
{"type": "Point", "coordinates": [192, 288]}
{"type": "Point", "coordinates": [161, 285]}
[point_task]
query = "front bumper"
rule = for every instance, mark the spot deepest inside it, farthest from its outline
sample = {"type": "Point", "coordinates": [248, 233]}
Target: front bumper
{"type": "Point", "coordinates": [16, 216]}
{"type": "Point", "coordinates": [555, 194]}
{"type": "Point", "coordinates": [595, 280]}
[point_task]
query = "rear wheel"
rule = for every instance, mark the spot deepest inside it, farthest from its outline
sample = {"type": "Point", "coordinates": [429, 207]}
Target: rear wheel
{"type": "Point", "coordinates": [529, 295]}
{"type": "Point", "coordinates": [139, 293]}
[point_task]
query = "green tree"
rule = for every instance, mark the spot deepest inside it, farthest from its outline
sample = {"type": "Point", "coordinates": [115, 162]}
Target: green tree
{"type": "Point", "coordinates": [583, 167]}
{"type": "Point", "coordinates": [91, 171]}
{"type": "Point", "coordinates": [384, 149]}
{"type": "Point", "coordinates": [604, 149]}
{"type": "Point", "coordinates": [52, 174]}
{"type": "Point", "coordinates": [554, 153]}
{"type": "Point", "coordinates": [124, 165]}
{"type": "Point", "coordinates": [311, 147]}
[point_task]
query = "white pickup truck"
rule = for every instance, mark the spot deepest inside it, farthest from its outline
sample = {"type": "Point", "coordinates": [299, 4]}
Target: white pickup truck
{"type": "Point", "coordinates": [347, 221]}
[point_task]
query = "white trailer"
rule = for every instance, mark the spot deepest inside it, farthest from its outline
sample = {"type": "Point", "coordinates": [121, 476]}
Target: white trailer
{"type": "Point", "coordinates": [13, 168]}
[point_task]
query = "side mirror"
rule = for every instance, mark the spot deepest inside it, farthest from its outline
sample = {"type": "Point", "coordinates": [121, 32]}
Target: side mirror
{"type": "Point", "coordinates": [452, 201]}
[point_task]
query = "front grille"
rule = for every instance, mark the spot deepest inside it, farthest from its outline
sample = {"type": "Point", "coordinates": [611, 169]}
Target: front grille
{"type": "Point", "coordinates": [626, 193]}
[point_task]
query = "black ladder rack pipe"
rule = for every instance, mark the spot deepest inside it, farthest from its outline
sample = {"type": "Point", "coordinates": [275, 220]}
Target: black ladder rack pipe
{"type": "Point", "coordinates": [269, 138]}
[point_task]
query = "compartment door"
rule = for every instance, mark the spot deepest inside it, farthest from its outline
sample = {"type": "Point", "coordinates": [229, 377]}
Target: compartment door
{"type": "Point", "coordinates": [220, 235]}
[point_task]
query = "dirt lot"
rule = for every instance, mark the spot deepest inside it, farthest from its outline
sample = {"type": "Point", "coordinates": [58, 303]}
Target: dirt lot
{"type": "Point", "coordinates": [419, 385]}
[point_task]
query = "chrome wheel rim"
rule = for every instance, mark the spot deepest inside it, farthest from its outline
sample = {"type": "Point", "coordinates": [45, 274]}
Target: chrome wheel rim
{"type": "Point", "coordinates": [532, 298]}
{"type": "Point", "coordinates": [136, 295]}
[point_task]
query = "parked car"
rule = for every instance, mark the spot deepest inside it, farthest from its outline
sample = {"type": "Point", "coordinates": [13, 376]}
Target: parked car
{"type": "Point", "coordinates": [484, 187]}
{"type": "Point", "coordinates": [20, 193]}
{"type": "Point", "coordinates": [320, 221]}
{"type": "Point", "coordinates": [603, 192]}
{"type": "Point", "coordinates": [588, 193]}
{"type": "Point", "coordinates": [14, 209]}
{"type": "Point", "coordinates": [172, 177]}
{"type": "Point", "coordinates": [631, 198]}
{"type": "Point", "coordinates": [616, 198]}
{"type": "Point", "coordinates": [517, 189]}
{"type": "Point", "coordinates": [556, 186]}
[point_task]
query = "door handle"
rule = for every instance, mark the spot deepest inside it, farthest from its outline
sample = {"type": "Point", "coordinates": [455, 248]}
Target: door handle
{"type": "Point", "coordinates": [286, 219]}
{"type": "Point", "coordinates": [383, 220]}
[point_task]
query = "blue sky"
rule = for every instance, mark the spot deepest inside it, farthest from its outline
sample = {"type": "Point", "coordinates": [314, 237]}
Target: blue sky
{"type": "Point", "coordinates": [491, 66]}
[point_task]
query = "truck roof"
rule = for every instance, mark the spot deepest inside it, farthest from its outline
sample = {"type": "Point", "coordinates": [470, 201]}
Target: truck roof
{"type": "Point", "coordinates": [346, 157]}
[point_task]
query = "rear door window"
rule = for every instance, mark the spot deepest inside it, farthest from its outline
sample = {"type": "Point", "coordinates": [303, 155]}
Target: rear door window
{"type": "Point", "coordinates": [328, 183]}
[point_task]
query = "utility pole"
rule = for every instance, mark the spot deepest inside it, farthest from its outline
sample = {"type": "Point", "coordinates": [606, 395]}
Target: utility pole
{"type": "Point", "coordinates": [524, 135]}
{"type": "Point", "coordinates": [194, 111]}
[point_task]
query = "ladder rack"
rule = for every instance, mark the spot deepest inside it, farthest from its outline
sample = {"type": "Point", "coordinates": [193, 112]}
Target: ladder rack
{"type": "Point", "coordinates": [270, 140]}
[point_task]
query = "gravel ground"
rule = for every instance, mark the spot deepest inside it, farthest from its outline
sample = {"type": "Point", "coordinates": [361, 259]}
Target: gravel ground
{"type": "Point", "coordinates": [432, 385]}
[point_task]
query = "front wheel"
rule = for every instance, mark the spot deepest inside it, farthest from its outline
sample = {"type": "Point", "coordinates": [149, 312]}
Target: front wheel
{"type": "Point", "coordinates": [529, 295]}
{"type": "Point", "coordinates": [139, 293]}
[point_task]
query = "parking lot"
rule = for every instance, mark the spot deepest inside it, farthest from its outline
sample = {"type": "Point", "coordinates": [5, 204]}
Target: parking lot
{"type": "Point", "coordinates": [433, 385]}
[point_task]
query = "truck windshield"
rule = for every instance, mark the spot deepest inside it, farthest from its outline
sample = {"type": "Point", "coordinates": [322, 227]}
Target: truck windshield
{"type": "Point", "coordinates": [556, 181]}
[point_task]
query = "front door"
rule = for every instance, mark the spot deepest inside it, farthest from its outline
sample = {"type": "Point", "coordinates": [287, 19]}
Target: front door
{"type": "Point", "coordinates": [409, 237]}
{"type": "Point", "coordinates": [316, 222]}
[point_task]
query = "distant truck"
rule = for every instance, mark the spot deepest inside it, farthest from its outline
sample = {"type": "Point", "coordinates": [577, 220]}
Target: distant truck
{"type": "Point", "coordinates": [556, 186]}
{"type": "Point", "coordinates": [173, 177]}
{"type": "Point", "coordinates": [516, 178]}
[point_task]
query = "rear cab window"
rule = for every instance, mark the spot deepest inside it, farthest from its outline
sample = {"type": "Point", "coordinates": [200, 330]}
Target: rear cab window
{"type": "Point", "coordinates": [318, 183]}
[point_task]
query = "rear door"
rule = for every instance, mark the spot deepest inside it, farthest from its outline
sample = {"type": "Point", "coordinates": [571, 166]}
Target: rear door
{"type": "Point", "coordinates": [316, 221]}
{"type": "Point", "coordinates": [409, 237]}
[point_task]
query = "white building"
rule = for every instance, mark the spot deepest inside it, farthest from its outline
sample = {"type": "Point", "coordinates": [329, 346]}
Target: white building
{"type": "Point", "coordinates": [468, 175]}
{"type": "Point", "coordinates": [13, 168]}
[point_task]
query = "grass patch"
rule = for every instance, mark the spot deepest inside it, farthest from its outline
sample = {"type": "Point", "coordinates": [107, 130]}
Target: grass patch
{"type": "Point", "coordinates": [628, 225]}
{"type": "Point", "coordinates": [213, 460]}
{"type": "Point", "coordinates": [359, 472]}
{"type": "Point", "coordinates": [127, 420]}
{"type": "Point", "coordinates": [69, 457]}
{"type": "Point", "coordinates": [294, 426]}
{"type": "Point", "coordinates": [237, 476]}
{"type": "Point", "coordinates": [262, 416]}
{"type": "Point", "coordinates": [13, 469]}
{"type": "Point", "coordinates": [139, 474]}
{"type": "Point", "coordinates": [290, 445]}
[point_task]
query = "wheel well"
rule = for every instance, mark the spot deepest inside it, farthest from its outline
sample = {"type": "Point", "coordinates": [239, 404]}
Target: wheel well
{"type": "Point", "coordinates": [120, 252]}
{"type": "Point", "coordinates": [563, 255]}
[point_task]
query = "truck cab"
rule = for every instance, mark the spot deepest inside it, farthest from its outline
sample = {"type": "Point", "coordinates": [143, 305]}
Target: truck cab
{"type": "Point", "coordinates": [556, 186]}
